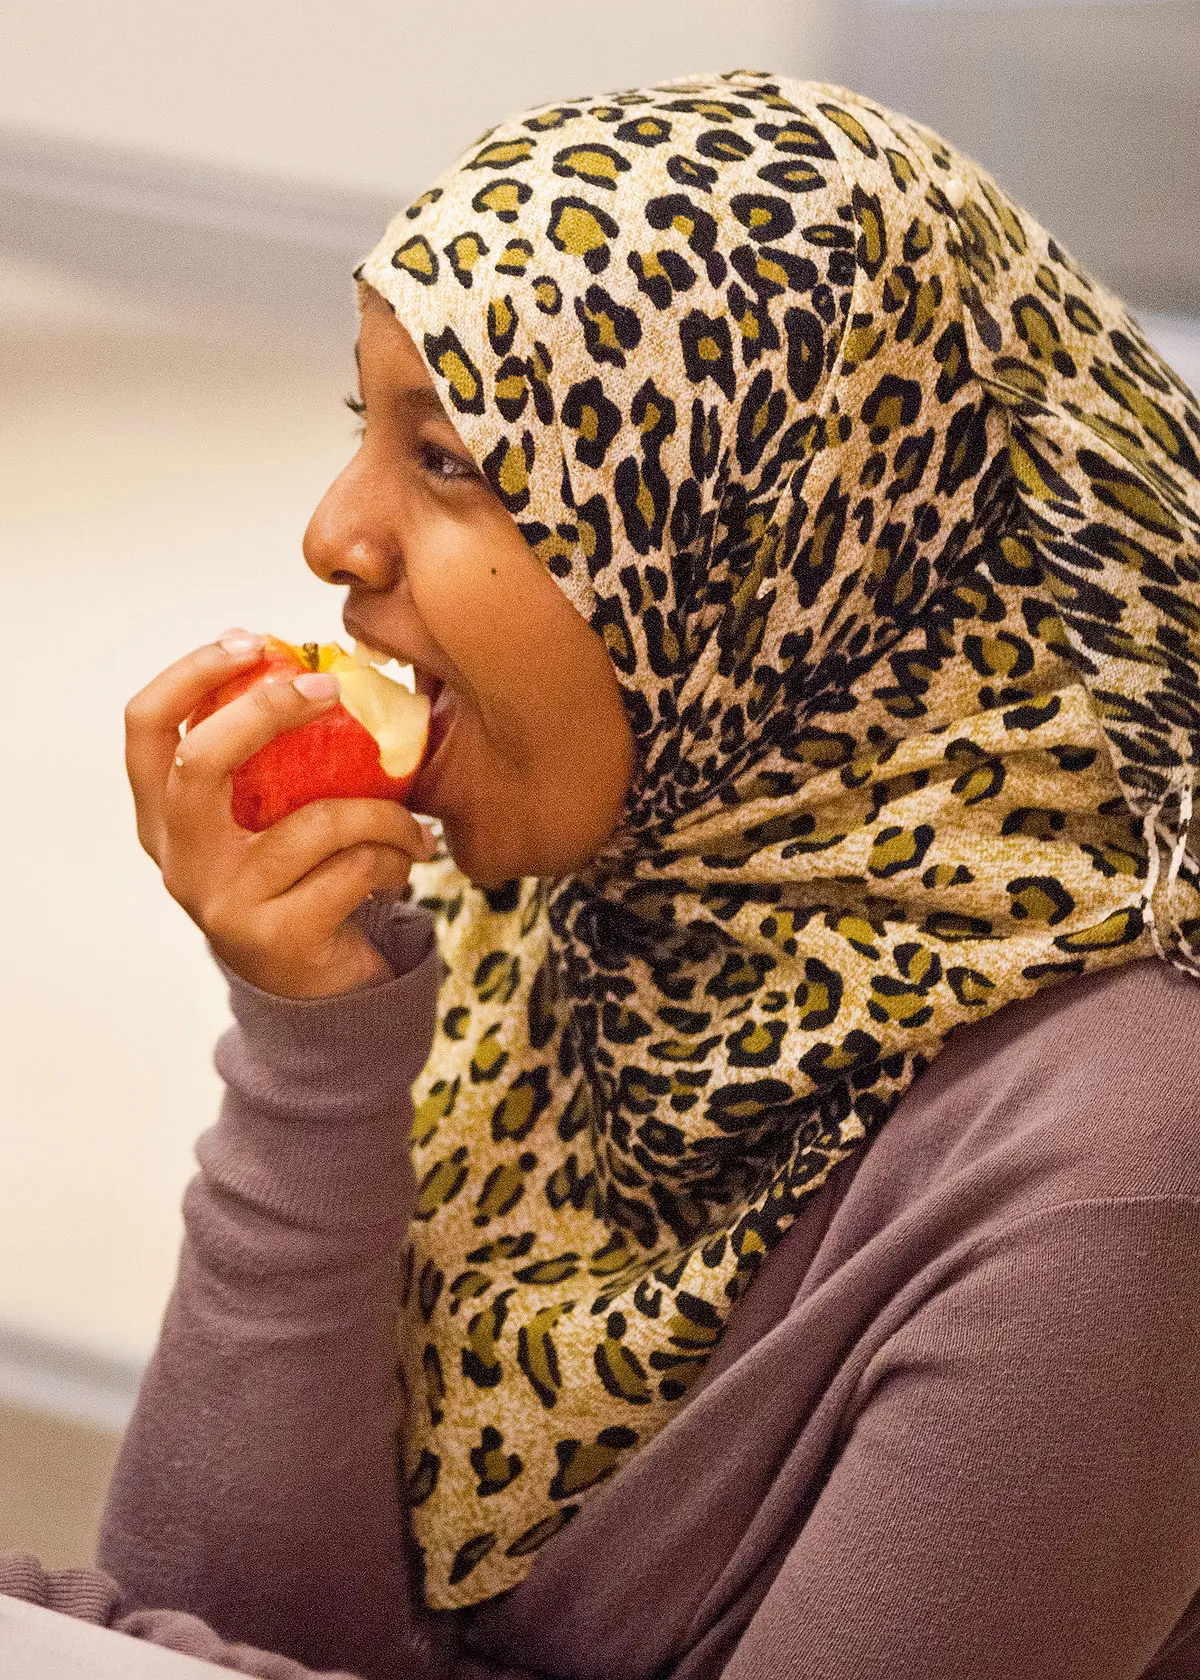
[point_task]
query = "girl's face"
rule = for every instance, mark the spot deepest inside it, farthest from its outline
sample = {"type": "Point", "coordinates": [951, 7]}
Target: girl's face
{"type": "Point", "coordinates": [531, 754]}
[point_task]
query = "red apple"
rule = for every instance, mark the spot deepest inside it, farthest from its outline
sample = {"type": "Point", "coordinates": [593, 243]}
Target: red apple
{"type": "Point", "coordinates": [369, 746]}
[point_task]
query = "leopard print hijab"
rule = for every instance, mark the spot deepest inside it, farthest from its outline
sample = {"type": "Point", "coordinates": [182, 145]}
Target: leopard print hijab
{"type": "Point", "coordinates": [889, 518]}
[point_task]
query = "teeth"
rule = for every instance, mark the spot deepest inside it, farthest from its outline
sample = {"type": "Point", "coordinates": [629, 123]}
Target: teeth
{"type": "Point", "coordinates": [364, 654]}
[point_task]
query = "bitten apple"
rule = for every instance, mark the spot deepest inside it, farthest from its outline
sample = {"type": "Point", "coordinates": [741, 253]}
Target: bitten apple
{"type": "Point", "coordinates": [369, 746]}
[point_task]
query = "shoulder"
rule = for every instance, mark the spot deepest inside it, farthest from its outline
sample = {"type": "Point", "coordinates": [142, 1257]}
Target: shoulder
{"type": "Point", "coordinates": [1121, 1034]}
{"type": "Point", "coordinates": [1090, 1089]}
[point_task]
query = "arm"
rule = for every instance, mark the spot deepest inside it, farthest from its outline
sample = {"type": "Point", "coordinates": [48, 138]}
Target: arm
{"type": "Point", "coordinates": [88, 1595]}
{"type": "Point", "coordinates": [1019, 1497]}
{"type": "Point", "coordinates": [256, 1487]}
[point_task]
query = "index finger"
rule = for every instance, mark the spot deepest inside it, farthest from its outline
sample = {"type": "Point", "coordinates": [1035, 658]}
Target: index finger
{"type": "Point", "coordinates": [273, 705]}
{"type": "Point", "coordinates": [155, 715]}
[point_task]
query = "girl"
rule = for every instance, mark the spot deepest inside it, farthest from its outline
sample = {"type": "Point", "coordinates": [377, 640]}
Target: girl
{"type": "Point", "coordinates": [797, 1244]}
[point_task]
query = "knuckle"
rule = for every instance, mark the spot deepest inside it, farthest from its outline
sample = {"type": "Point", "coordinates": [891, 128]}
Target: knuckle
{"type": "Point", "coordinates": [373, 865]}
{"type": "Point", "coordinates": [327, 825]}
{"type": "Point", "coordinates": [137, 711]}
{"type": "Point", "coordinates": [180, 882]}
{"type": "Point", "coordinates": [399, 858]}
{"type": "Point", "coordinates": [365, 858]}
{"type": "Point", "coordinates": [393, 868]}
{"type": "Point", "coordinates": [271, 697]}
{"type": "Point", "coordinates": [175, 884]}
{"type": "Point", "coordinates": [217, 919]}
{"type": "Point", "coordinates": [147, 839]}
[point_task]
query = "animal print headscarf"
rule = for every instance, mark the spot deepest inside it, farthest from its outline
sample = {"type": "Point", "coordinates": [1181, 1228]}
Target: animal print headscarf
{"type": "Point", "coordinates": [889, 518]}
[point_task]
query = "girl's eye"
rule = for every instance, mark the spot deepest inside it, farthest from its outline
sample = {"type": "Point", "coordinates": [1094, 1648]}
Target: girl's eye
{"type": "Point", "coordinates": [445, 466]}
{"type": "Point", "coordinates": [356, 406]}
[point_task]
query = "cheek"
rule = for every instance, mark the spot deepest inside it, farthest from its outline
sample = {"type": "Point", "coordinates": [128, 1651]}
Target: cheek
{"type": "Point", "coordinates": [513, 711]}
{"type": "Point", "coordinates": [473, 601]}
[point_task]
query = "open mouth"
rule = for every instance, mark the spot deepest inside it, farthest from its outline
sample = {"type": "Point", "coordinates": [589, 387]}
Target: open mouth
{"type": "Point", "coordinates": [441, 702]}
{"type": "Point", "coordinates": [441, 707]}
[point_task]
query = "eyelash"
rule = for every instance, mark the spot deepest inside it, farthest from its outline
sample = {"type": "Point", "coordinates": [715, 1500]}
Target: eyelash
{"type": "Point", "coordinates": [429, 451]}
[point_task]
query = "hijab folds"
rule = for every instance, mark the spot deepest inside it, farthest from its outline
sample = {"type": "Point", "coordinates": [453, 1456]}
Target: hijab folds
{"type": "Point", "coordinates": [889, 518]}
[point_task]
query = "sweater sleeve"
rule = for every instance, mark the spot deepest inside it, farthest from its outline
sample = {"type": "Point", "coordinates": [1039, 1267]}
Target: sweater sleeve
{"type": "Point", "coordinates": [88, 1595]}
{"type": "Point", "coordinates": [1017, 1496]}
{"type": "Point", "coordinates": [256, 1487]}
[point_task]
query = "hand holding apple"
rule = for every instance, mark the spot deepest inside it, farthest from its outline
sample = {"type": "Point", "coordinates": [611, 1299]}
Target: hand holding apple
{"type": "Point", "coordinates": [274, 904]}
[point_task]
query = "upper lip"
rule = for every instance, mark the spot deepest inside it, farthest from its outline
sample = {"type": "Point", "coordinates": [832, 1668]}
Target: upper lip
{"type": "Point", "coordinates": [427, 680]}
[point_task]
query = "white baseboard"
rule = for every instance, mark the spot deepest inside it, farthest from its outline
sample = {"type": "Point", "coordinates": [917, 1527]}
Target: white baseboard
{"type": "Point", "coordinates": [42, 1374]}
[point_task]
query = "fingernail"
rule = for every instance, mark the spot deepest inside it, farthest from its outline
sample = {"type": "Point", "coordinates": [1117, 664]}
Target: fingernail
{"type": "Point", "coordinates": [238, 641]}
{"type": "Point", "coordinates": [431, 840]}
{"type": "Point", "coordinates": [317, 685]}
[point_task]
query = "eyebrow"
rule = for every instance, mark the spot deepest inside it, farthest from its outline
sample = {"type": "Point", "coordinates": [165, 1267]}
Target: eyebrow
{"type": "Point", "coordinates": [424, 398]}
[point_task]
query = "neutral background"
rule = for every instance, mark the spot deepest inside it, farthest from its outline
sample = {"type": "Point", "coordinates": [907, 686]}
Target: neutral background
{"type": "Point", "coordinates": [183, 192]}
{"type": "Point", "coordinates": [372, 94]}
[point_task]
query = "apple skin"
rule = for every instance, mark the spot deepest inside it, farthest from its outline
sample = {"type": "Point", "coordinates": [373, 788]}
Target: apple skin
{"type": "Point", "coordinates": [333, 757]}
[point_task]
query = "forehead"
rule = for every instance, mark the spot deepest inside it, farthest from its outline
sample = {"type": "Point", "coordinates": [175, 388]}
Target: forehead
{"type": "Point", "coordinates": [385, 351]}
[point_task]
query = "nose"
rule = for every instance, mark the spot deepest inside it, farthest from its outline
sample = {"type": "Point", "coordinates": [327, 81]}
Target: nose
{"type": "Point", "coordinates": [348, 540]}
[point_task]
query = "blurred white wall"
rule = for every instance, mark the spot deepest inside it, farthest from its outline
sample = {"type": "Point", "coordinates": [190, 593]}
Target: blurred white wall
{"type": "Point", "coordinates": [371, 94]}
{"type": "Point", "coordinates": [156, 475]}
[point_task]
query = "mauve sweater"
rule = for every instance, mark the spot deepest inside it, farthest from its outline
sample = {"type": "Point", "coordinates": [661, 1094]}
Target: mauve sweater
{"type": "Point", "coordinates": [952, 1432]}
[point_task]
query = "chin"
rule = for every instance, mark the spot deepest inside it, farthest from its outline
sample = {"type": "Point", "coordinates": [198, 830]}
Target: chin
{"type": "Point", "coordinates": [487, 870]}
{"type": "Point", "coordinates": [471, 842]}
{"type": "Point", "coordinates": [478, 862]}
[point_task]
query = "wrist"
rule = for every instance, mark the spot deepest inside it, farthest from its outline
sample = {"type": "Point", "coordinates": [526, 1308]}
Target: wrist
{"type": "Point", "coordinates": [355, 966]}
{"type": "Point", "coordinates": [346, 1054]}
